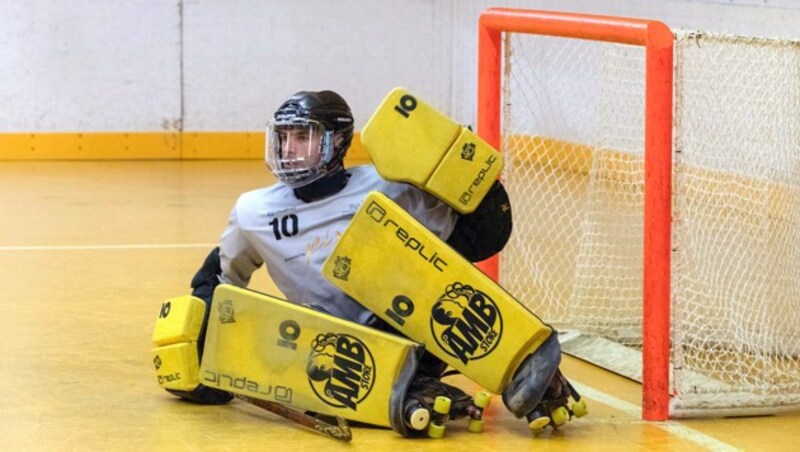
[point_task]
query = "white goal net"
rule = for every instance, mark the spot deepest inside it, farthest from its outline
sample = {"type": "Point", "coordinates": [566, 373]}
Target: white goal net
{"type": "Point", "coordinates": [573, 136]}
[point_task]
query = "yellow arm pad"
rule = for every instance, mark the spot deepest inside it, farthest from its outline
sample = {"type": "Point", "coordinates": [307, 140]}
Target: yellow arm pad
{"type": "Point", "coordinates": [409, 141]}
{"type": "Point", "coordinates": [175, 356]}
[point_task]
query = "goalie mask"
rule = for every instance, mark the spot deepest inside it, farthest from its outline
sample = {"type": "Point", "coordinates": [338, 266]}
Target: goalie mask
{"type": "Point", "coordinates": [308, 137]}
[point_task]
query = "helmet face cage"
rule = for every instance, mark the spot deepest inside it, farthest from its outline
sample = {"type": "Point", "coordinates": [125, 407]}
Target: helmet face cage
{"type": "Point", "coordinates": [308, 137]}
{"type": "Point", "coordinates": [299, 150]}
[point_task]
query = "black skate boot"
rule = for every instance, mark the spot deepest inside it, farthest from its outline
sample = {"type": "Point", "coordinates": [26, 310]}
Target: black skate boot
{"type": "Point", "coordinates": [430, 403]}
{"type": "Point", "coordinates": [554, 409]}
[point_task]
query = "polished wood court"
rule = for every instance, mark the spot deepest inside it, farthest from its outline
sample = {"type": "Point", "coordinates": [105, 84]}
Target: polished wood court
{"type": "Point", "coordinates": [88, 251]}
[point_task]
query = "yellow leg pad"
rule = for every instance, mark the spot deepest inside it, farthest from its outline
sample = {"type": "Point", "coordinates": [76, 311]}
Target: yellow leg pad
{"type": "Point", "coordinates": [270, 349]}
{"type": "Point", "coordinates": [179, 320]}
{"type": "Point", "coordinates": [177, 366]}
{"type": "Point", "coordinates": [391, 264]}
{"type": "Point", "coordinates": [409, 141]}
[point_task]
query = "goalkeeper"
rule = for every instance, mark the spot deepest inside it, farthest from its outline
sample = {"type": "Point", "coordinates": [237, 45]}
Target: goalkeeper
{"type": "Point", "coordinates": [292, 226]}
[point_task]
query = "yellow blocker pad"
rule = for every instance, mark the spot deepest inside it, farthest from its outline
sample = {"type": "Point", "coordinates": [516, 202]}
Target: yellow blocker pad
{"type": "Point", "coordinates": [175, 336]}
{"type": "Point", "coordinates": [394, 266]}
{"type": "Point", "coordinates": [409, 141]}
{"type": "Point", "coordinates": [270, 349]}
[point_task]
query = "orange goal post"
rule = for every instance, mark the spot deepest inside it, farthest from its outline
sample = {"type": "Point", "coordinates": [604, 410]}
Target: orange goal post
{"type": "Point", "coordinates": [678, 274]}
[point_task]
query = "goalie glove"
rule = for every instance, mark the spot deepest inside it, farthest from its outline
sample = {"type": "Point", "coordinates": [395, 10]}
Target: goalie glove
{"type": "Point", "coordinates": [409, 141]}
{"type": "Point", "coordinates": [176, 356]}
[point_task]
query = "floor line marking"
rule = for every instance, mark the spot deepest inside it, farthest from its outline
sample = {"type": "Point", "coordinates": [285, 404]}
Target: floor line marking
{"type": "Point", "coordinates": [673, 427]}
{"type": "Point", "coordinates": [154, 246]}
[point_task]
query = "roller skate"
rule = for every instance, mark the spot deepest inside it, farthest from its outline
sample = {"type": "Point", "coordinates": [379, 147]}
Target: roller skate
{"type": "Point", "coordinates": [430, 403]}
{"type": "Point", "coordinates": [555, 409]}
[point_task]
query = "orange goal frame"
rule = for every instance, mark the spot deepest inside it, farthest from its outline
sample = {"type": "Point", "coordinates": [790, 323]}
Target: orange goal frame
{"type": "Point", "coordinates": [657, 39]}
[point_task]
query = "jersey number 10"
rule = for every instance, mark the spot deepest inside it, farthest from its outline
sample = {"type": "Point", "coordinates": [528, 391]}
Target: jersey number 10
{"type": "Point", "coordinates": [286, 227]}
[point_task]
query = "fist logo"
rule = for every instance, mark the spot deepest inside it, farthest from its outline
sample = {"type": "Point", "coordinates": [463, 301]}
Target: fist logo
{"type": "Point", "coordinates": [341, 267]}
{"type": "Point", "coordinates": [468, 151]}
{"type": "Point", "coordinates": [226, 311]}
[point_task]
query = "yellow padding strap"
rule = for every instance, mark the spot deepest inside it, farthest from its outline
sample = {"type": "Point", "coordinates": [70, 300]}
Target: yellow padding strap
{"type": "Point", "coordinates": [409, 141]}
{"type": "Point", "coordinates": [402, 272]}
{"type": "Point", "coordinates": [175, 357]}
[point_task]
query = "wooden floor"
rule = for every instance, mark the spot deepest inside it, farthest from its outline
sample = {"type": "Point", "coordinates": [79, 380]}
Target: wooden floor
{"type": "Point", "coordinates": [88, 250]}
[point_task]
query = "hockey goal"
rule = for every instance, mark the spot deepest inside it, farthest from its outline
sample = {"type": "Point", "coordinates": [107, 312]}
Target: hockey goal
{"type": "Point", "coordinates": [684, 275]}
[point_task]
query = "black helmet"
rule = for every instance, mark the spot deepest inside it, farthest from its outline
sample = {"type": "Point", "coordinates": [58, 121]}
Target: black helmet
{"type": "Point", "coordinates": [308, 137]}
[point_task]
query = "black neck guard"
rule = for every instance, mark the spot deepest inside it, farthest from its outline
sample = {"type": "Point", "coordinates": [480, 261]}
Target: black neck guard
{"type": "Point", "coordinates": [322, 188]}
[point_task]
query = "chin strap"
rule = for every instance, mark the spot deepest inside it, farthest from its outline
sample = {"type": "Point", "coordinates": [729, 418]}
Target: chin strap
{"type": "Point", "coordinates": [324, 187]}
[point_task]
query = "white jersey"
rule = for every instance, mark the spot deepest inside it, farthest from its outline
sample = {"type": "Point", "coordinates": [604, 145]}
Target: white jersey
{"type": "Point", "coordinates": [294, 238]}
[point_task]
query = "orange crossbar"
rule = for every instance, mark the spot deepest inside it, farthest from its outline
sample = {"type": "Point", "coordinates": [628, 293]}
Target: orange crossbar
{"type": "Point", "coordinates": [657, 39]}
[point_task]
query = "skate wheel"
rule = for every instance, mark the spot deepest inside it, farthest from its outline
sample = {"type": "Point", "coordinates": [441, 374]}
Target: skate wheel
{"type": "Point", "coordinates": [475, 425]}
{"type": "Point", "coordinates": [436, 431]}
{"type": "Point", "coordinates": [419, 419]}
{"type": "Point", "coordinates": [482, 399]}
{"type": "Point", "coordinates": [442, 405]}
{"type": "Point", "coordinates": [579, 408]}
{"type": "Point", "coordinates": [560, 416]}
{"type": "Point", "coordinates": [538, 424]}
{"type": "Point", "coordinates": [537, 431]}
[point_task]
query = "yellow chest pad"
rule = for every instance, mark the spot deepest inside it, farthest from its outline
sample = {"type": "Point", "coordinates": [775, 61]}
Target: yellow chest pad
{"type": "Point", "coordinates": [394, 266]}
{"type": "Point", "coordinates": [270, 349]}
{"type": "Point", "coordinates": [410, 141]}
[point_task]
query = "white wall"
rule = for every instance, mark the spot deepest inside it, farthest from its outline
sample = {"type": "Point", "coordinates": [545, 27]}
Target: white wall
{"type": "Point", "coordinates": [243, 57]}
{"type": "Point", "coordinates": [88, 66]}
{"type": "Point", "coordinates": [208, 65]}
